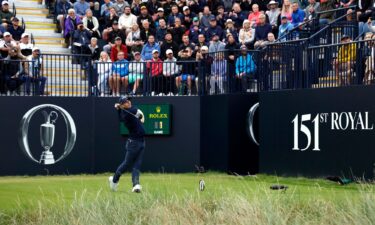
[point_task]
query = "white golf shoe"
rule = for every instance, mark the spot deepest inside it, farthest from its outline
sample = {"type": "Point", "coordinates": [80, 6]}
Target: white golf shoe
{"type": "Point", "coordinates": [137, 188]}
{"type": "Point", "coordinates": [112, 185]}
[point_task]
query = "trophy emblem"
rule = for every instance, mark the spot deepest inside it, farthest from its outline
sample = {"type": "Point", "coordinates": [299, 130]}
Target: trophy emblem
{"type": "Point", "coordinates": [47, 137]}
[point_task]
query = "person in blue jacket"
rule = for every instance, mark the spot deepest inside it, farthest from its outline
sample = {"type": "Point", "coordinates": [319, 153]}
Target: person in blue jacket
{"type": "Point", "coordinates": [245, 69]}
{"type": "Point", "coordinates": [149, 47]}
{"type": "Point", "coordinates": [120, 72]}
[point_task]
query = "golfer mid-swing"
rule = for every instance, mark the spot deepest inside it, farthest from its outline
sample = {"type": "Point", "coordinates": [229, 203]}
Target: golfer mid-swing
{"type": "Point", "coordinates": [133, 119]}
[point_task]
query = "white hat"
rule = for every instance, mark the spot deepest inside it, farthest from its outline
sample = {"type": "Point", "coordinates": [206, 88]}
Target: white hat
{"type": "Point", "coordinates": [24, 35]}
{"type": "Point", "coordinates": [272, 2]}
{"type": "Point", "coordinates": [155, 50]}
{"type": "Point", "coordinates": [185, 8]}
{"type": "Point", "coordinates": [169, 51]}
{"type": "Point", "coordinates": [5, 2]}
{"type": "Point", "coordinates": [36, 49]}
{"type": "Point", "coordinates": [6, 34]}
{"type": "Point", "coordinates": [204, 48]}
{"type": "Point", "coordinates": [160, 10]}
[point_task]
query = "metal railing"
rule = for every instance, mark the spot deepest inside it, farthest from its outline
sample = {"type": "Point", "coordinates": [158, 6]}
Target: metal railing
{"type": "Point", "coordinates": [14, 9]}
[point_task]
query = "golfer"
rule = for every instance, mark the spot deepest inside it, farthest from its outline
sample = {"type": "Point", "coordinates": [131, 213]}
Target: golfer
{"type": "Point", "coordinates": [133, 119]}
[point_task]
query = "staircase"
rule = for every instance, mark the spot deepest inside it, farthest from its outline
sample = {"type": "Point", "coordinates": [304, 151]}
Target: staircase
{"type": "Point", "coordinates": [63, 77]}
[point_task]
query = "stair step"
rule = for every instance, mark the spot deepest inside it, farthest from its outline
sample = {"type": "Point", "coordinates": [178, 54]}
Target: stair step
{"type": "Point", "coordinates": [48, 43]}
{"type": "Point", "coordinates": [36, 25]}
{"type": "Point", "coordinates": [43, 33]}
{"type": "Point", "coordinates": [38, 19]}
{"type": "Point", "coordinates": [28, 4]}
{"type": "Point", "coordinates": [21, 9]}
{"type": "Point", "coordinates": [26, 14]}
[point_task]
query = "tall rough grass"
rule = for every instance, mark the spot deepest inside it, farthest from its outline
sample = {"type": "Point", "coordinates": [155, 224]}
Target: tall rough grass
{"type": "Point", "coordinates": [261, 206]}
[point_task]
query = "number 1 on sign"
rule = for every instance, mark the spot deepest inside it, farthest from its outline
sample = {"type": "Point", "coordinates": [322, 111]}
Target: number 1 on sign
{"type": "Point", "coordinates": [305, 130]}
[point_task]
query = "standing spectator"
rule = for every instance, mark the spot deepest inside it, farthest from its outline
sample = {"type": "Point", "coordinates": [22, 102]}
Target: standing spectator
{"type": "Point", "coordinates": [168, 43]}
{"type": "Point", "coordinates": [127, 20]}
{"type": "Point", "coordinates": [80, 8]}
{"type": "Point", "coordinates": [298, 15]}
{"type": "Point", "coordinates": [205, 19]}
{"type": "Point", "coordinates": [25, 45]}
{"type": "Point", "coordinates": [114, 32]}
{"type": "Point", "coordinates": [81, 40]}
{"type": "Point", "coordinates": [34, 73]}
{"type": "Point", "coordinates": [91, 24]}
{"type": "Point", "coordinates": [5, 14]}
{"type": "Point", "coordinates": [147, 30]}
{"type": "Point", "coordinates": [311, 9]}
{"type": "Point", "coordinates": [231, 51]}
{"type": "Point", "coordinates": [136, 70]}
{"type": "Point", "coordinates": [120, 71]}
{"type": "Point", "coordinates": [273, 14]}
{"type": "Point", "coordinates": [119, 6]}
{"type": "Point", "coordinates": [155, 71]}
{"type": "Point", "coordinates": [105, 8]}
{"type": "Point", "coordinates": [345, 61]}
{"type": "Point", "coordinates": [195, 30]}
{"type": "Point", "coordinates": [104, 70]}
{"type": "Point", "coordinates": [254, 16]}
{"type": "Point", "coordinates": [187, 17]}
{"type": "Point", "coordinates": [286, 10]}
{"type": "Point", "coordinates": [133, 36]}
{"type": "Point", "coordinates": [245, 69]}
{"type": "Point", "coordinates": [284, 28]}
{"type": "Point", "coordinates": [204, 61]}
{"type": "Point", "coordinates": [13, 67]}
{"type": "Point", "coordinates": [145, 16]}
{"type": "Point", "coordinates": [216, 45]}
{"type": "Point", "coordinates": [262, 30]}
{"type": "Point", "coordinates": [177, 31]}
{"type": "Point", "coordinates": [149, 47]}
{"type": "Point", "coordinates": [214, 29]}
{"type": "Point", "coordinates": [247, 34]}
{"type": "Point", "coordinates": [16, 30]}
{"type": "Point", "coordinates": [94, 49]}
{"type": "Point", "coordinates": [161, 30]}
{"type": "Point", "coordinates": [170, 71]}
{"type": "Point", "coordinates": [174, 14]}
{"type": "Point", "coordinates": [187, 72]}
{"type": "Point", "coordinates": [237, 16]}
{"type": "Point", "coordinates": [118, 47]}
{"type": "Point", "coordinates": [61, 12]}
{"type": "Point", "coordinates": [230, 29]}
{"type": "Point", "coordinates": [71, 22]}
{"type": "Point", "coordinates": [218, 74]}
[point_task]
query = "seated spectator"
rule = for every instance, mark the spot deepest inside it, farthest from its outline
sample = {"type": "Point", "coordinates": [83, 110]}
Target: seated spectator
{"type": "Point", "coordinates": [230, 29]}
{"type": "Point", "coordinates": [105, 8]}
{"type": "Point", "coordinates": [71, 22]}
{"type": "Point", "coordinates": [161, 31]}
{"type": "Point", "coordinates": [25, 45]}
{"type": "Point", "coordinates": [286, 10]}
{"type": "Point", "coordinates": [160, 16]}
{"type": "Point", "coordinates": [170, 71]}
{"type": "Point", "coordinates": [80, 8]}
{"type": "Point", "coordinates": [174, 14]}
{"type": "Point", "coordinates": [187, 19]}
{"type": "Point", "coordinates": [81, 40]}
{"type": "Point", "coordinates": [284, 28]}
{"type": "Point", "coordinates": [187, 72]}
{"type": "Point", "coordinates": [218, 74]}
{"type": "Point", "coordinates": [177, 31]}
{"type": "Point", "coordinates": [345, 61]}
{"type": "Point", "coordinates": [136, 7]}
{"type": "Point", "coordinates": [273, 14]}
{"type": "Point", "coordinates": [270, 39]}
{"type": "Point", "coordinates": [5, 14]}
{"type": "Point", "coordinates": [221, 16]}
{"type": "Point", "coordinates": [136, 71]}
{"type": "Point", "coordinates": [13, 67]}
{"type": "Point", "coordinates": [113, 33]}
{"type": "Point", "coordinates": [262, 30]}
{"type": "Point", "coordinates": [155, 71]}
{"type": "Point", "coordinates": [15, 29]}
{"type": "Point", "coordinates": [152, 6]}
{"type": "Point", "coordinates": [119, 6]}
{"type": "Point", "coordinates": [247, 34]}
{"type": "Point", "coordinates": [127, 20]}
{"type": "Point", "coordinates": [326, 5]}
{"type": "Point", "coordinates": [91, 24]}
{"type": "Point", "coordinates": [254, 16]}
{"type": "Point", "coordinates": [133, 36]}
{"type": "Point", "coordinates": [298, 15]}
{"type": "Point", "coordinates": [149, 47]}
{"type": "Point", "coordinates": [61, 11]}
{"type": "Point", "coordinates": [167, 6]}
{"type": "Point", "coordinates": [311, 9]}
{"type": "Point", "coordinates": [145, 16]}
{"type": "Point", "coordinates": [231, 51]}
{"type": "Point", "coordinates": [109, 20]}
{"type": "Point", "coordinates": [205, 18]}
{"type": "Point", "coordinates": [34, 73]}
{"type": "Point", "coordinates": [216, 45]}
{"type": "Point", "coordinates": [118, 47]}
{"type": "Point", "coordinates": [205, 61]}
{"type": "Point", "coordinates": [370, 57]}
{"type": "Point", "coordinates": [6, 44]}
{"type": "Point", "coordinates": [168, 43]}
{"type": "Point", "coordinates": [214, 29]}
{"type": "Point", "coordinates": [146, 30]}
{"type": "Point", "coordinates": [104, 70]}
{"type": "Point", "coordinates": [237, 16]}
{"type": "Point", "coordinates": [120, 71]}
{"type": "Point", "coordinates": [245, 69]}
{"type": "Point", "coordinates": [185, 44]}
{"type": "Point", "coordinates": [94, 49]}
{"type": "Point", "coordinates": [201, 42]}
{"type": "Point", "coordinates": [195, 30]}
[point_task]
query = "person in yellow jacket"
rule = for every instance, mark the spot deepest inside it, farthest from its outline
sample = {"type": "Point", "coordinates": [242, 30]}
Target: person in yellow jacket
{"type": "Point", "coordinates": [345, 61]}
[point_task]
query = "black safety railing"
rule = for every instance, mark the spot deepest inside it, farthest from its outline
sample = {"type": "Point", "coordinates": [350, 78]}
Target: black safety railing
{"type": "Point", "coordinates": [32, 39]}
{"type": "Point", "coordinates": [14, 9]}
{"type": "Point", "coordinates": [23, 25]}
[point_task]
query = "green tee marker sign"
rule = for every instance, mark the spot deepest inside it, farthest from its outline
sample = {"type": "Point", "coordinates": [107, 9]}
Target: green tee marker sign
{"type": "Point", "coordinates": [157, 119]}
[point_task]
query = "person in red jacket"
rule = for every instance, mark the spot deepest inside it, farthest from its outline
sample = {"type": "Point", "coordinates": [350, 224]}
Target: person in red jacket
{"type": "Point", "coordinates": [118, 47]}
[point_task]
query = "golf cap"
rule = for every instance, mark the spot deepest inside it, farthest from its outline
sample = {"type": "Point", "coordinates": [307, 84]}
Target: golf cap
{"type": "Point", "coordinates": [6, 34]}
{"type": "Point", "coordinates": [36, 49]}
{"type": "Point", "coordinates": [169, 51]}
{"type": "Point", "coordinates": [204, 48]}
{"type": "Point", "coordinates": [124, 99]}
{"type": "Point", "coordinates": [229, 21]}
{"type": "Point", "coordinates": [137, 53]}
{"type": "Point", "coordinates": [25, 35]}
{"type": "Point", "coordinates": [243, 47]}
{"type": "Point", "coordinates": [212, 18]}
{"type": "Point", "coordinates": [117, 38]}
{"type": "Point", "coordinates": [160, 10]}
{"type": "Point", "coordinates": [344, 37]}
{"type": "Point", "coordinates": [185, 8]}
{"type": "Point", "coordinates": [154, 51]}
{"type": "Point", "coordinates": [284, 17]}
{"type": "Point", "coordinates": [143, 7]}
{"type": "Point", "coordinates": [5, 3]}
{"type": "Point", "coordinates": [115, 22]}
{"type": "Point", "coordinates": [195, 19]}
{"type": "Point", "coordinates": [15, 19]}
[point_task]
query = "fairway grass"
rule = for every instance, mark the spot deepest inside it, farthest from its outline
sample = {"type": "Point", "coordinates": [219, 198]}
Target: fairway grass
{"type": "Point", "coordinates": [176, 199]}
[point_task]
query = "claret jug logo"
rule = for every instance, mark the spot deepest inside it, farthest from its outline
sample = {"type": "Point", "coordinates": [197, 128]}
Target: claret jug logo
{"type": "Point", "coordinates": [47, 133]}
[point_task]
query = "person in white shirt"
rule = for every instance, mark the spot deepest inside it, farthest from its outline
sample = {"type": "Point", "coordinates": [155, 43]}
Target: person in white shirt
{"type": "Point", "coordinates": [25, 45]}
{"type": "Point", "coordinates": [104, 70]}
{"type": "Point", "coordinates": [136, 70]}
{"type": "Point", "coordinates": [127, 20]}
{"type": "Point", "coordinates": [170, 71]}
